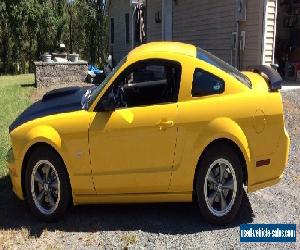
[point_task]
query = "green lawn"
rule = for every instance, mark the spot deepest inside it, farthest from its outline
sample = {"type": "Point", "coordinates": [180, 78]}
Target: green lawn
{"type": "Point", "coordinates": [15, 94]}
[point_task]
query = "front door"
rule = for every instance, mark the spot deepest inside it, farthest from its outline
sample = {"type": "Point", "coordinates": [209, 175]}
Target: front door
{"type": "Point", "coordinates": [132, 148]}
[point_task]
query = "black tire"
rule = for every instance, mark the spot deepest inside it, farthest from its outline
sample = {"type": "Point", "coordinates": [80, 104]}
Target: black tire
{"type": "Point", "coordinates": [45, 153]}
{"type": "Point", "coordinates": [215, 152]}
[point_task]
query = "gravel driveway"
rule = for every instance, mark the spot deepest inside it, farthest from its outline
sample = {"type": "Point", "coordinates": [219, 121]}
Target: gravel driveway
{"type": "Point", "coordinates": [158, 226]}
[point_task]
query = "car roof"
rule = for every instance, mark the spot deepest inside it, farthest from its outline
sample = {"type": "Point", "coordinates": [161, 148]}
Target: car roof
{"type": "Point", "coordinates": [169, 47]}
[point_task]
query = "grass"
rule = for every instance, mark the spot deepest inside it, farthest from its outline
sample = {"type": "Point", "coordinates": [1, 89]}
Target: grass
{"type": "Point", "coordinates": [15, 92]}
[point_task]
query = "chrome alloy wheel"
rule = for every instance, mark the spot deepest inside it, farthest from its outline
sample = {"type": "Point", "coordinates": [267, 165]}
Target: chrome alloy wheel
{"type": "Point", "coordinates": [45, 187]}
{"type": "Point", "coordinates": [220, 187]}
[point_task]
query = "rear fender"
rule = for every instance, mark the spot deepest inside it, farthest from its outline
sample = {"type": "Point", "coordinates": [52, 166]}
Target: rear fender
{"type": "Point", "coordinates": [224, 128]}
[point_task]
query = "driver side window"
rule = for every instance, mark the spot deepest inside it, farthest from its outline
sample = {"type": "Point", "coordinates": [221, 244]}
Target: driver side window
{"type": "Point", "coordinates": [147, 83]}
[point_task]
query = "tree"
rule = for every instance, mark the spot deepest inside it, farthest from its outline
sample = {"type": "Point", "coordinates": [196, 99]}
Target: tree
{"type": "Point", "coordinates": [28, 28]}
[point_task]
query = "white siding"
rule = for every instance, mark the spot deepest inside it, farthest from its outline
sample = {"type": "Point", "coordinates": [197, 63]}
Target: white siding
{"type": "Point", "coordinates": [154, 30]}
{"type": "Point", "coordinates": [117, 10]}
{"type": "Point", "coordinates": [253, 26]}
{"type": "Point", "coordinates": [205, 23]}
{"type": "Point", "coordinates": [167, 10]}
{"type": "Point", "coordinates": [269, 32]}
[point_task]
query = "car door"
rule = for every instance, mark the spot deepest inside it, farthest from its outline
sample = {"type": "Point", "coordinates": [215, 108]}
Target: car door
{"type": "Point", "coordinates": [132, 148]}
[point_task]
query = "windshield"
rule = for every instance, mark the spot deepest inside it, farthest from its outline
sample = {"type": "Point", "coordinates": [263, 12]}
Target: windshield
{"type": "Point", "coordinates": [213, 60]}
{"type": "Point", "coordinates": [90, 97]}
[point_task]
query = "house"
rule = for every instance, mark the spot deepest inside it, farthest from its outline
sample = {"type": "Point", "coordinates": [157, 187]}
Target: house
{"type": "Point", "coordinates": [262, 25]}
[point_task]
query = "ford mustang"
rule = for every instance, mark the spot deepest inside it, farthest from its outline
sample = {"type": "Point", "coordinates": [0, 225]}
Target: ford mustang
{"type": "Point", "coordinates": [170, 123]}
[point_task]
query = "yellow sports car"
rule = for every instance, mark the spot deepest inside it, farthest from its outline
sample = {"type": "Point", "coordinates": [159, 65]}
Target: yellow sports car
{"type": "Point", "coordinates": [171, 123]}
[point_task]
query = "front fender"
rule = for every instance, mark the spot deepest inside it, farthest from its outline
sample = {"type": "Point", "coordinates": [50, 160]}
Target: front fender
{"type": "Point", "coordinates": [24, 140]}
{"type": "Point", "coordinates": [44, 134]}
{"type": "Point", "coordinates": [41, 134]}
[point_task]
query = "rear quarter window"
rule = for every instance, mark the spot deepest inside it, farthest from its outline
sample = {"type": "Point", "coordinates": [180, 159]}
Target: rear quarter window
{"type": "Point", "coordinates": [217, 62]}
{"type": "Point", "coordinates": [205, 83]}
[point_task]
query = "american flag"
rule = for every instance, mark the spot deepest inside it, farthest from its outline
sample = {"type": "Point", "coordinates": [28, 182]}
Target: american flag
{"type": "Point", "coordinates": [140, 20]}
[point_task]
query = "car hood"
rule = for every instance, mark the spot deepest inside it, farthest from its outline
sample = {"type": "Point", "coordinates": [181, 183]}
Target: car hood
{"type": "Point", "coordinates": [57, 101]}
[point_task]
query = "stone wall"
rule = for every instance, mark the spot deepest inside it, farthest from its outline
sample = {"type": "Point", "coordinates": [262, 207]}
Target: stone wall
{"type": "Point", "coordinates": [49, 74]}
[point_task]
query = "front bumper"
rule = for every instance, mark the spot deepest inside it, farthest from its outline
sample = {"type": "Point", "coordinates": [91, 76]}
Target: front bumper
{"type": "Point", "coordinates": [14, 167]}
{"type": "Point", "coordinates": [269, 175]}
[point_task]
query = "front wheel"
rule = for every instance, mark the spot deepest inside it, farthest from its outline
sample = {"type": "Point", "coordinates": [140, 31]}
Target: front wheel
{"type": "Point", "coordinates": [47, 185]}
{"type": "Point", "coordinates": [219, 185]}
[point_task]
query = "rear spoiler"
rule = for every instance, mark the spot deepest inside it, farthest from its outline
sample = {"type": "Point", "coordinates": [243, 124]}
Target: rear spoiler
{"type": "Point", "coordinates": [274, 79]}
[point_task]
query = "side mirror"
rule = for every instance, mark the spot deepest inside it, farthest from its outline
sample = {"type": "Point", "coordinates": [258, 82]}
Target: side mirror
{"type": "Point", "coordinates": [108, 104]}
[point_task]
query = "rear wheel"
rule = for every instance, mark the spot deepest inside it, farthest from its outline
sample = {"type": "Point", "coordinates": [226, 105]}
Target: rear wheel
{"type": "Point", "coordinates": [47, 185]}
{"type": "Point", "coordinates": [219, 185]}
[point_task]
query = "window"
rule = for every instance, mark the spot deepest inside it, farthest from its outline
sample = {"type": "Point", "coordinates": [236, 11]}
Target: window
{"type": "Point", "coordinates": [112, 30]}
{"type": "Point", "coordinates": [147, 83]}
{"type": "Point", "coordinates": [205, 83]}
{"type": "Point", "coordinates": [217, 62]}
{"type": "Point", "coordinates": [127, 28]}
{"type": "Point", "coordinates": [96, 91]}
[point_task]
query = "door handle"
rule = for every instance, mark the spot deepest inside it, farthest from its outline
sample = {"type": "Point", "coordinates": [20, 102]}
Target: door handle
{"type": "Point", "coordinates": [163, 125]}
